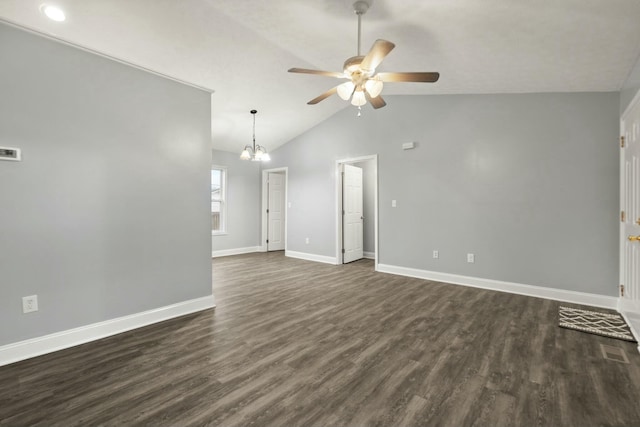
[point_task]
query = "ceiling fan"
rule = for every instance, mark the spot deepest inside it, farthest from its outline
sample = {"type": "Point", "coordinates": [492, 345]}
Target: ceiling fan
{"type": "Point", "coordinates": [364, 84]}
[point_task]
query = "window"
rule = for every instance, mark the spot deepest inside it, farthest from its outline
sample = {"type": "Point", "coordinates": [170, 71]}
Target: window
{"type": "Point", "coordinates": [218, 199]}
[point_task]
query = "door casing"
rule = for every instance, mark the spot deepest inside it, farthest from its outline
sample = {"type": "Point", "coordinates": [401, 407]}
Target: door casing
{"type": "Point", "coordinates": [265, 203]}
{"type": "Point", "coordinates": [338, 211]}
{"type": "Point", "coordinates": [353, 213]}
{"type": "Point", "coordinates": [275, 215]}
{"type": "Point", "coordinates": [629, 304]}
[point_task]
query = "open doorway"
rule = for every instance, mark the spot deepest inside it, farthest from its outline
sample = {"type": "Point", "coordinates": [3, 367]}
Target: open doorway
{"type": "Point", "coordinates": [629, 300]}
{"type": "Point", "coordinates": [274, 209]}
{"type": "Point", "coordinates": [357, 209]}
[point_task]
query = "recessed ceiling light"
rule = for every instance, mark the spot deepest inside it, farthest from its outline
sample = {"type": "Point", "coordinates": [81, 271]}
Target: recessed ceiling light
{"type": "Point", "coordinates": [53, 12]}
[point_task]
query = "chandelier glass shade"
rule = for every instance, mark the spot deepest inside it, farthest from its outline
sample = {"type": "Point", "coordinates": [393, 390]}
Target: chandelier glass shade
{"type": "Point", "coordinates": [255, 153]}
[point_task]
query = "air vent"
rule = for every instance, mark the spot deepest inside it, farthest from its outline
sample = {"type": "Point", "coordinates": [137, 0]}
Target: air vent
{"type": "Point", "coordinates": [7, 153]}
{"type": "Point", "coordinates": [614, 353]}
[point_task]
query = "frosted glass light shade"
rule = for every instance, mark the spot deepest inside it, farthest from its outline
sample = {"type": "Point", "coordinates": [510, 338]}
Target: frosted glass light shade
{"type": "Point", "coordinates": [245, 154]}
{"type": "Point", "coordinates": [345, 90]}
{"type": "Point", "coordinates": [358, 98]}
{"type": "Point", "coordinates": [373, 87]}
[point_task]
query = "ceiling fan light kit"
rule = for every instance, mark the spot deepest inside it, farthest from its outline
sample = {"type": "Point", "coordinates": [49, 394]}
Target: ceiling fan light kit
{"type": "Point", "coordinates": [358, 98]}
{"type": "Point", "coordinates": [345, 90]}
{"type": "Point", "coordinates": [363, 84]}
{"type": "Point", "coordinates": [373, 86]}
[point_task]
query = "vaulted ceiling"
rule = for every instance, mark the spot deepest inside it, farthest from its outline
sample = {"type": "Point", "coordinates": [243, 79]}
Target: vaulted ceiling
{"type": "Point", "coordinates": [242, 49]}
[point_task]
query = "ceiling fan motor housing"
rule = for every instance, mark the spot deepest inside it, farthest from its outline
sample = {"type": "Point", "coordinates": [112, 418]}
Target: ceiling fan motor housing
{"type": "Point", "coordinates": [352, 64]}
{"type": "Point", "coordinates": [360, 7]}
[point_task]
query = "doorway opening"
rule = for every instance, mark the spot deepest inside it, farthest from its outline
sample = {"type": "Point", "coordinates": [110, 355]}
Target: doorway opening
{"type": "Point", "coordinates": [274, 209]}
{"type": "Point", "coordinates": [629, 300]}
{"type": "Point", "coordinates": [357, 209]}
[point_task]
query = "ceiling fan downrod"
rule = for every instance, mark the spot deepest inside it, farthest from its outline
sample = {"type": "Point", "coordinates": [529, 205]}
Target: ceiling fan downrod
{"type": "Point", "coordinates": [360, 8]}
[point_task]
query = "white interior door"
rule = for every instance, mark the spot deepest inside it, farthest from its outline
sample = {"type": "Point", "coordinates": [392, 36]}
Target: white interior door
{"type": "Point", "coordinates": [352, 218]}
{"type": "Point", "coordinates": [275, 212]}
{"type": "Point", "coordinates": [630, 217]}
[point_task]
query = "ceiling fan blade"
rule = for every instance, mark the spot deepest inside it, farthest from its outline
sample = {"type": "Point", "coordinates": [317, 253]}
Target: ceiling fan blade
{"type": "Point", "coordinates": [409, 77]}
{"type": "Point", "coordinates": [318, 72]}
{"type": "Point", "coordinates": [379, 50]}
{"type": "Point", "coordinates": [323, 96]}
{"type": "Point", "coordinates": [376, 102]}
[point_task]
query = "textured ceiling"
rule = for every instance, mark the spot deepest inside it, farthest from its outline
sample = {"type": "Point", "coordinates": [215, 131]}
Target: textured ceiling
{"type": "Point", "coordinates": [242, 49]}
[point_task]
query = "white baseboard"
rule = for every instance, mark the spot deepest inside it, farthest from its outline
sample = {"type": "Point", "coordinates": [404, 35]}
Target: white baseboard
{"type": "Point", "coordinates": [628, 306]}
{"type": "Point", "coordinates": [27, 349]}
{"type": "Point", "coordinates": [594, 300]}
{"type": "Point", "coordinates": [236, 251]}
{"type": "Point", "coordinates": [633, 320]}
{"type": "Point", "coordinates": [311, 257]}
{"type": "Point", "coordinates": [630, 310]}
{"type": "Point", "coordinates": [369, 255]}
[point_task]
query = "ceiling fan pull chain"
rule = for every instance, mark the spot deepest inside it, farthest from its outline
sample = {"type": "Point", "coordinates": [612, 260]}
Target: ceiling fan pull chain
{"type": "Point", "coordinates": [359, 111]}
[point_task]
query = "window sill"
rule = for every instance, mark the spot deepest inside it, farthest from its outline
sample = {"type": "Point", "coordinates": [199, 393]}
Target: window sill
{"type": "Point", "coordinates": [219, 233]}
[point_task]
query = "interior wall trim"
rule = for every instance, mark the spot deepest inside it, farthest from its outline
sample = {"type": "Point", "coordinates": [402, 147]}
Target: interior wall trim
{"type": "Point", "coordinates": [311, 257]}
{"type": "Point", "coordinates": [33, 347]}
{"type": "Point", "coordinates": [627, 110]}
{"type": "Point", "coordinates": [235, 251]}
{"type": "Point", "coordinates": [630, 310]}
{"type": "Point", "coordinates": [62, 40]}
{"type": "Point", "coordinates": [369, 255]}
{"type": "Point", "coordinates": [265, 202]}
{"type": "Point", "coordinates": [633, 325]}
{"type": "Point", "coordinates": [574, 297]}
{"type": "Point", "coordinates": [338, 212]}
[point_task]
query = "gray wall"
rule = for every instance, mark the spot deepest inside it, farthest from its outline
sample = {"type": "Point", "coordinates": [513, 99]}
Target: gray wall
{"type": "Point", "coordinates": [368, 201]}
{"type": "Point", "coordinates": [243, 202]}
{"type": "Point", "coordinates": [108, 214]}
{"type": "Point", "coordinates": [630, 87]}
{"type": "Point", "coordinates": [526, 182]}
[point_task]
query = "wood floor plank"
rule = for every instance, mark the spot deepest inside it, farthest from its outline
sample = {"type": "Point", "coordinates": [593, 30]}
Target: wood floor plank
{"type": "Point", "coordinates": [298, 343]}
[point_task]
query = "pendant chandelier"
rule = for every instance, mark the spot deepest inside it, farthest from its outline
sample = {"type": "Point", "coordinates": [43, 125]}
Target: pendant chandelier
{"type": "Point", "coordinates": [255, 153]}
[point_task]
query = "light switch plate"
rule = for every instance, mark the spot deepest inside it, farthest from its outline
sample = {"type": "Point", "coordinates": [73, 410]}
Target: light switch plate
{"type": "Point", "coordinates": [30, 303]}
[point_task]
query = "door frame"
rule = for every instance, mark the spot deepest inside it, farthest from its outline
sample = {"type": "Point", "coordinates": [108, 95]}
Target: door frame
{"type": "Point", "coordinates": [630, 310]}
{"type": "Point", "coordinates": [338, 212]}
{"type": "Point", "coordinates": [265, 202]}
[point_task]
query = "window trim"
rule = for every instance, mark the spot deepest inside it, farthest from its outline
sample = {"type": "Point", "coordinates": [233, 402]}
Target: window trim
{"type": "Point", "coordinates": [223, 200]}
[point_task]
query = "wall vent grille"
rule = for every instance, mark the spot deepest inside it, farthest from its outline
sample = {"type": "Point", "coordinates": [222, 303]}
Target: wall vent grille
{"type": "Point", "coordinates": [614, 353]}
{"type": "Point", "coordinates": [8, 153]}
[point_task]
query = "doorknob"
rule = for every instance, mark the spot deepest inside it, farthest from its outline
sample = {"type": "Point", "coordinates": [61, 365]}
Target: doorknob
{"type": "Point", "coordinates": [634, 238]}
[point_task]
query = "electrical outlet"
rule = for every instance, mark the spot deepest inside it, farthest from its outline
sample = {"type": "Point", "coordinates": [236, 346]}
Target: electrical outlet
{"type": "Point", "coordinates": [471, 258]}
{"type": "Point", "coordinates": [30, 303]}
{"type": "Point", "coordinates": [306, 240]}
{"type": "Point", "coordinates": [436, 254]}
{"type": "Point", "coordinates": [394, 204]}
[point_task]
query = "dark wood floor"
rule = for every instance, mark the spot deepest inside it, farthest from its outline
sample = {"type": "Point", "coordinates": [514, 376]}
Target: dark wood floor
{"type": "Point", "coordinates": [300, 343]}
